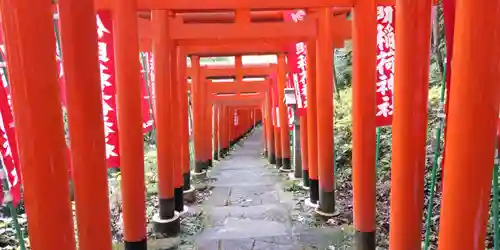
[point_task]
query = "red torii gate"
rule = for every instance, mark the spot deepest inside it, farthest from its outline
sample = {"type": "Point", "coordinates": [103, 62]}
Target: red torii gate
{"type": "Point", "coordinates": [202, 89]}
{"type": "Point", "coordinates": [42, 146]}
{"type": "Point", "coordinates": [341, 29]}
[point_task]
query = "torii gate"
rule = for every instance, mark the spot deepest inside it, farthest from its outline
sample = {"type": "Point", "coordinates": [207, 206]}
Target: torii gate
{"type": "Point", "coordinates": [41, 140]}
{"type": "Point", "coordinates": [202, 113]}
{"type": "Point", "coordinates": [228, 104]}
{"type": "Point", "coordinates": [227, 87]}
{"type": "Point", "coordinates": [244, 89]}
{"type": "Point", "coordinates": [126, 52]}
{"type": "Point", "coordinates": [202, 109]}
{"type": "Point", "coordinates": [253, 70]}
{"type": "Point", "coordinates": [131, 146]}
{"type": "Point", "coordinates": [340, 31]}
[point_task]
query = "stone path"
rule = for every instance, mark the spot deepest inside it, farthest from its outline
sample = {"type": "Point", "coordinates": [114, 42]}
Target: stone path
{"type": "Point", "coordinates": [248, 208]}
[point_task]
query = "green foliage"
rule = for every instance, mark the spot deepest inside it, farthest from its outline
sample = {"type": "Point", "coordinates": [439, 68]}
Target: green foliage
{"type": "Point", "coordinates": [343, 128]}
{"type": "Point", "coordinates": [342, 60]}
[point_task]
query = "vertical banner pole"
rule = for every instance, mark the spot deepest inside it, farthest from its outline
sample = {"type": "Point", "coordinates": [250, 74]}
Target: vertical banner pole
{"type": "Point", "coordinates": [496, 231]}
{"type": "Point", "coordinates": [147, 79]}
{"type": "Point", "coordinates": [377, 149]}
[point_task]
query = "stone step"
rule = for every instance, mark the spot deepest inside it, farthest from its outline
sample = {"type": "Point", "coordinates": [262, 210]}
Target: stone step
{"type": "Point", "coordinates": [239, 228]}
{"type": "Point", "coordinates": [312, 238]}
{"type": "Point", "coordinates": [217, 216]}
{"type": "Point", "coordinates": [285, 242]}
{"type": "Point", "coordinates": [243, 195]}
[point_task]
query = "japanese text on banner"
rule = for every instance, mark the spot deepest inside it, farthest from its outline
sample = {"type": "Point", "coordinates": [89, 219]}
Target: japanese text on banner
{"type": "Point", "coordinates": [150, 60]}
{"type": "Point", "coordinates": [385, 65]}
{"type": "Point", "coordinates": [106, 59]}
{"type": "Point", "coordinates": [10, 158]}
{"type": "Point", "coordinates": [297, 64]}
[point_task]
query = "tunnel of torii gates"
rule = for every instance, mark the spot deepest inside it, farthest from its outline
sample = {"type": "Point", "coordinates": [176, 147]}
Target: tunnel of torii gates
{"type": "Point", "coordinates": [35, 94]}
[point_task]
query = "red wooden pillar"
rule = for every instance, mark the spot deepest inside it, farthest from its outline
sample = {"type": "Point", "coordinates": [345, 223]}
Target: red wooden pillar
{"type": "Point", "coordinates": [240, 119]}
{"type": "Point", "coordinates": [249, 120]}
{"type": "Point", "coordinates": [204, 120]}
{"type": "Point", "coordinates": [205, 126]}
{"type": "Point", "coordinates": [236, 118]}
{"type": "Point", "coordinates": [244, 121]}
{"type": "Point", "coordinates": [241, 123]}
{"type": "Point", "coordinates": [258, 115]}
{"type": "Point", "coordinates": [230, 123]}
{"type": "Point", "coordinates": [277, 130]}
{"type": "Point", "coordinates": [283, 115]}
{"type": "Point", "coordinates": [324, 95]}
{"type": "Point", "coordinates": [312, 118]}
{"type": "Point", "coordinates": [472, 121]}
{"type": "Point", "coordinates": [176, 116]}
{"type": "Point", "coordinates": [304, 150]}
{"type": "Point", "coordinates": [197, 100]}
{"type": "Point", "coordinates": [209, 128]}
{"type": "Point", "coordinates": [167, 220]}
{"type": "Point", "coordinates": [84, 106]}
{"type": "Point", "coordinates": [184, 119]}
{"type": "Point", "coordinates": [244, 127]}
{"type": "Point", "coordinates": [224, 130]}
{"type": "Point", "coordinates": [237, 127]}
{"type": "Point", "coordinates": [216, 133]}
{"type": "Point", "coordinates": [38, 120]}
{"type": "Point", "coordinates": [130, 124]}
{"type": "Point", "coordinates": [265, 135]}
{"type": "Point", "coordinates": [268, 123]}
{"type": "Point", "coordinates": [409, 126]}
{"type": "Point", "coordinates": [227, 129]}
{"type": "Point", "coordinates": [364, 129]}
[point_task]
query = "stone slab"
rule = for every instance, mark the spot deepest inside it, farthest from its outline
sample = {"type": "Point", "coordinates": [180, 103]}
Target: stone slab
{"type": "Point", "coordinates": [274, 212]}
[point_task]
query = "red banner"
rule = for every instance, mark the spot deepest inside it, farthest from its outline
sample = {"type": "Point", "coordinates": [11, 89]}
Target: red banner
{"type": "Point", "coordinates": [151, 70]}
{"type": "Point", "coordinates": [289, 109]}
{"type": "Point", "coordinates": [385, 64]}
{"type": "Point", "coordinates": [107, 68]}
{"type": "Point", "coordinates": [10, 158]}
{"type": "Point", "coordinates": [275, 99]}
{"type": "Point", "coordinates": [297, 63]}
